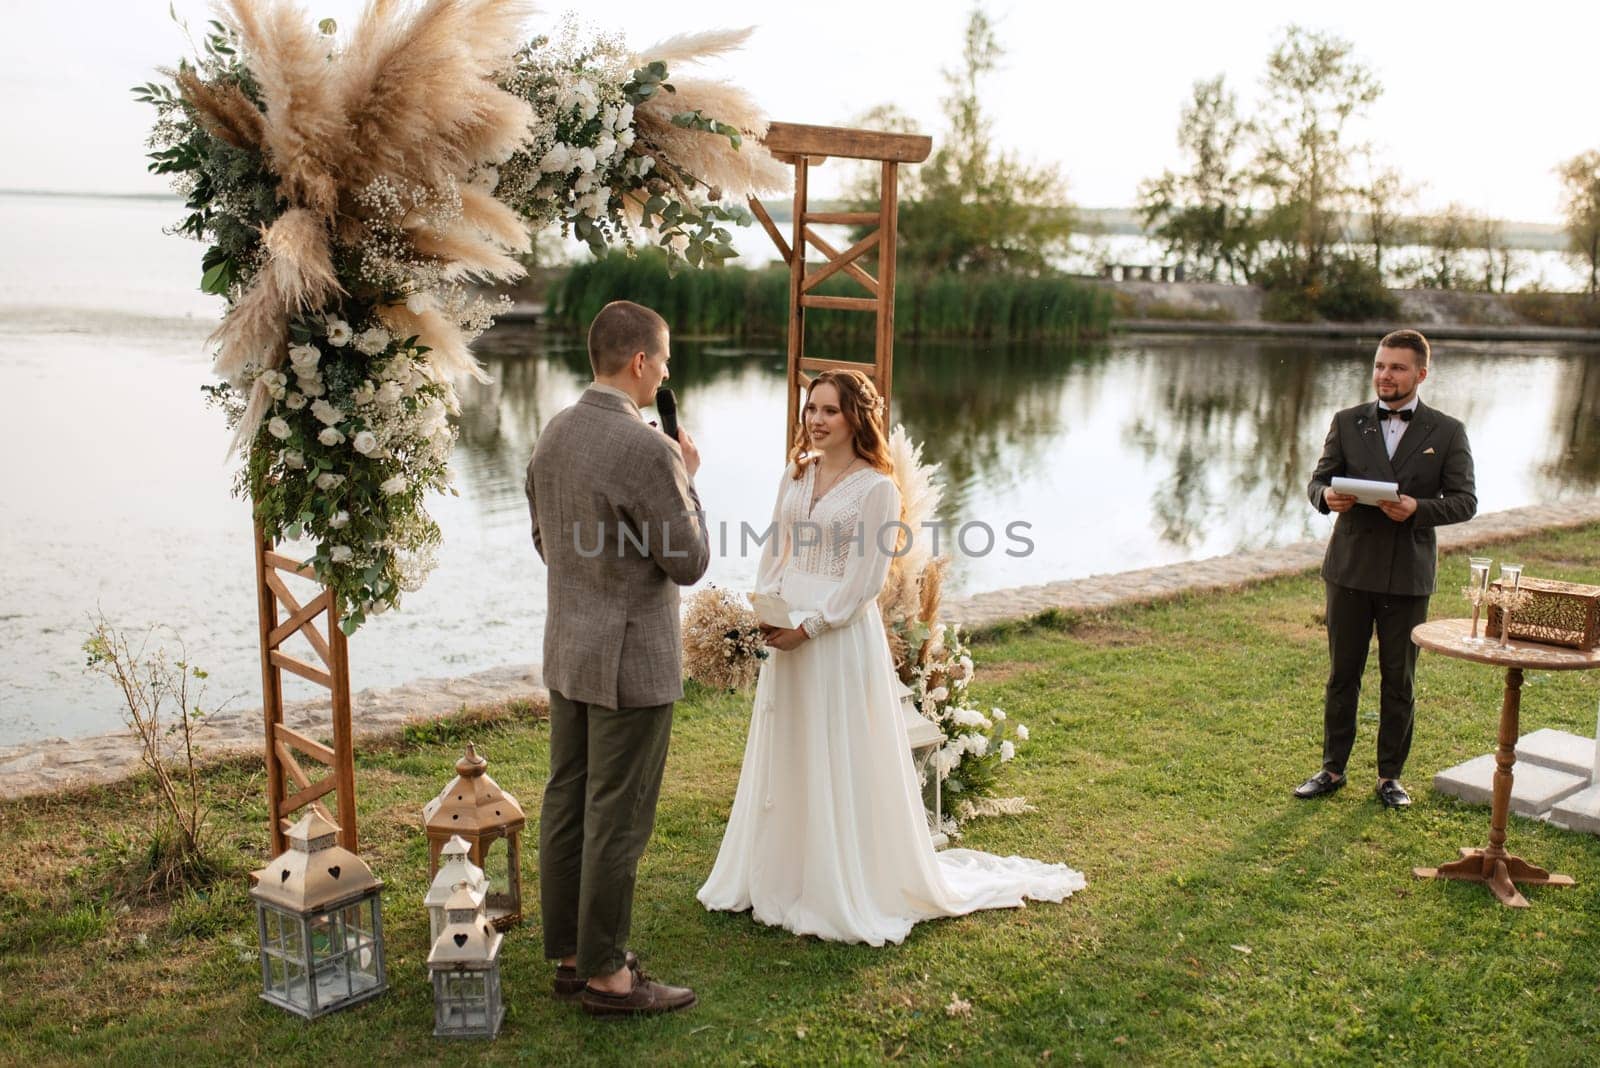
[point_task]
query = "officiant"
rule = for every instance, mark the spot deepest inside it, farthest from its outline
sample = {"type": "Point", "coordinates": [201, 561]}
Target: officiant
{"type": "Point", "coordinates": [1380, 565]}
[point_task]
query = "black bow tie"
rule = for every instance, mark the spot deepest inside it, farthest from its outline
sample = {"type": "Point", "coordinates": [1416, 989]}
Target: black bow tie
{"type": "Point", "coordinates": [1405, 416]}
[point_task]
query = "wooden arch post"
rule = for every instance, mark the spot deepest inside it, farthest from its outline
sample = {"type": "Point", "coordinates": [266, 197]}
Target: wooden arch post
{"type": "Point", "coordinates": [805, 147]}
{"type": "Point", "coordinates": [289, 787]}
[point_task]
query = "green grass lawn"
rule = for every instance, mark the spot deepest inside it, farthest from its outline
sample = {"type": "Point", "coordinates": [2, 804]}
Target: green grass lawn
{"type": "Point", "coordinates": [1225, 922]}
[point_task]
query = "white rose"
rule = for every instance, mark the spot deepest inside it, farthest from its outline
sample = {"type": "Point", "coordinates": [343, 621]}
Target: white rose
{"type": "Point", "coordinates": [294, 401]}
{"type": "Point", "coordinates": [389, 393]}
{"type": "Point", "coordinates": [276, 382]}
{"type": "Point", "coordinates": [338, 333]}
{"type": "Point", "coordinates": [339, 520]}
{"type": "Point", "coordinates": [940, 693]}
{"type": "Point", "coordinates": [605, 148]}
{"type": "Point", "coordinates": [643, 164]}
{"type": "Point", "coordinates": [585, 159]}
{"type": "Point", "coordinates": [293, 460]}
{"type": "Point", "coordinates": [305, 358]}
{"type": "Point", "coordinates": [364, 393]}
{"type": "Point", "coordinates": [392, 486]}
{"type": "Point", "coordinates": [1022, 732]}
{"type": "Point", "coordinates": [417, 303]}
{"type": "Point", "coordinates": [1007, 751]}
{"type": "Point", "coordinates": [626, 138]}
{"type": "Point", "coordinates": [977, 744]}
{"type": "Point", "coordinates": [373, 341]}
{"type": "Point", "coordinates": [556, 161]}
{"type": "Point", "coordinates": [329, 481]}
{"type": "Point", "coordinates": [340, 554]}
{"type": "Point", "coordinates": [330, 436]}
{"type": "Point", "coordinates": [624, 117]}
{"type": "Point", "coordinates": [326, 413]}
{"type": "Point", "coordinates": [999, 714]}
{"type": "Point", "coordinates": [278, 428]}
{"type": "Point", "coordinates": [313, 387]}
{"type": "Point", "coordinates": [584, 184]}
{"type": "Point", "coordinates": [366, 443]}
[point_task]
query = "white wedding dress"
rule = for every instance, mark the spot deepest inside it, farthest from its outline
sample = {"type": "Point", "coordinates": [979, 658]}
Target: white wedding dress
{"type": "Point", "coordinates": [828, 835]}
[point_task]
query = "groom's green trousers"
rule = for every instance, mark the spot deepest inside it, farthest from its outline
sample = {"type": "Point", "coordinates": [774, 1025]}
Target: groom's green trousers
{"type": "Point", "coordinates": [599, 809]}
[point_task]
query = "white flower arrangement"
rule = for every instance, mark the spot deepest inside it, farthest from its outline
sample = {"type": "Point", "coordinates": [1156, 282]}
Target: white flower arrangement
{"type": "Point", "coordinates": [975, 744]}
{"type": "Point", "coordinates": [344, 258]}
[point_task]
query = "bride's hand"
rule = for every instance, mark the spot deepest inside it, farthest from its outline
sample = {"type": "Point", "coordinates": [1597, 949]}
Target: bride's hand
{"type": "Point", "coordinates": [786, 639]}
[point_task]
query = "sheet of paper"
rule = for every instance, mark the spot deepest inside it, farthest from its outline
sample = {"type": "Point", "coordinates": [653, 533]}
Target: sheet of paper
{"type": "Point", "coordinates": [774, 611]}
{"type": "Point", "coordinates": [1367, 491]}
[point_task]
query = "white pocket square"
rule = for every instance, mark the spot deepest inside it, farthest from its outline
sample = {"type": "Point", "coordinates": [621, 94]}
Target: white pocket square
{"type": "Point", "coordinates": [1428, 451]}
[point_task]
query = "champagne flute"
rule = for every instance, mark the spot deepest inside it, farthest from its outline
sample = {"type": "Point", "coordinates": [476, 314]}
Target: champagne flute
{"type": "Point", "coordinates": [1510, 584]}
{"type": "Point", "coordinates": [1477, 586]}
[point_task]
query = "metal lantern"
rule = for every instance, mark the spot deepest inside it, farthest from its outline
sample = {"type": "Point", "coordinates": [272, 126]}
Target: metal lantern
{"type": "Point", "coordinates": [925, 739]}
{"type": "Point", "coordinates": [455, 869]}
{"type": "Point", "coordinates": [465, 966]}
{"type": "Point", "coordinates": [319, 922]}
{"type": "Point", "coordinates": [490, 821]}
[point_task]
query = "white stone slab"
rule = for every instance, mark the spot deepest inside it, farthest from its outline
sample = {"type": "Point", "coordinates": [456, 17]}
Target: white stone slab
{"type": "Point", "coordinates": [1534, 790]}
{"type": "Point", "coordinates": [1579, 812]}
{"type": "Point", "coordinates": [1561, 750]}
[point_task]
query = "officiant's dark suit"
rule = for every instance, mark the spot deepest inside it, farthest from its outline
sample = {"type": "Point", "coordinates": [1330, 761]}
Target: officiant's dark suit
{"type": "Point", "coordinates": [1380, 564]}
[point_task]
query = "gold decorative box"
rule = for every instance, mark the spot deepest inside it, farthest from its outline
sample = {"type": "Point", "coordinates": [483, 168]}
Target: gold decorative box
{"type": "Point", "coordinates": [1553, 613]}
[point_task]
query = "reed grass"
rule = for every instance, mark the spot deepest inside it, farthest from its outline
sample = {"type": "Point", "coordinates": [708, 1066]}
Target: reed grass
{"type": "Point", "coordinates": [746, 303]}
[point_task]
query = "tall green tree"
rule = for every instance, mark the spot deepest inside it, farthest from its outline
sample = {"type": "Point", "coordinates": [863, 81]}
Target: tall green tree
{"type": "Point", "coordinates": [1580, 204]}
{"type": "Point", "coordinates": [1315, 90]}
{"type": "Point", "coordinates": [1202, 213]}
{"type": "Point", "coordinates": [980, 208]}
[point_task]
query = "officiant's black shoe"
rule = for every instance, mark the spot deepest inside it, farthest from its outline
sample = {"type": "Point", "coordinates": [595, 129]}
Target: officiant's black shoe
{"type": "Point", "coordinates": [1392, 794]}
{"type": "Point", "coordinates": [647, 998]}
{"type": "Point", "coordinates": [1321, 783]}
{"type": "Point", "coordinates": [569, 986]}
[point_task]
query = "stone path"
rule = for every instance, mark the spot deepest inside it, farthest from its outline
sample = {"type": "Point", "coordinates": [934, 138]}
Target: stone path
{"type": "Point", "coordinates": [55, 764]}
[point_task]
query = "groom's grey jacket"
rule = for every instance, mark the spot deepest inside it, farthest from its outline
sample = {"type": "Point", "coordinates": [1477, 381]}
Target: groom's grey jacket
{"type": "Point", "coordinates": [1432, 462]}
{"type": "Point", "coordinates": [618, 523]}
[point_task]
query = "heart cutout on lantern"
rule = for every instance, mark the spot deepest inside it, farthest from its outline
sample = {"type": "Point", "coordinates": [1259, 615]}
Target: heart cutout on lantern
{"type": "Point", "coordinates": [283, 876]}
{"type": "Point", "coordinates": [334, 871]}
{"type": "Point", "coordinates": [461, 940]}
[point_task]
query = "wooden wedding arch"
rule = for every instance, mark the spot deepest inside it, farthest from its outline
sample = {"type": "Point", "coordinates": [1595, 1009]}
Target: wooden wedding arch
{"type": "Point", "coordinates": [805, 147]}
{"type": "Point", "coordinates": [292, 756]}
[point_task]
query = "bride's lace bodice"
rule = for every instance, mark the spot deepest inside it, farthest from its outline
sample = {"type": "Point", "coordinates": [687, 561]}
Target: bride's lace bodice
{"type": "Point", "coordinates": [823, 536]}
{"type": "Point", "coordinates": [846, 537]}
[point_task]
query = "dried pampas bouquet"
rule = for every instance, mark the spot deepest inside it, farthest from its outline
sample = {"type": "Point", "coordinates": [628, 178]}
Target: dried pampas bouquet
{"type": "Point", "coordinates": [722, 643]}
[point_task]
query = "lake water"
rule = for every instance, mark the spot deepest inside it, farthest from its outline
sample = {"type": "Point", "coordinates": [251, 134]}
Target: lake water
{"type": "Point", "coordinates": [1135, 452]}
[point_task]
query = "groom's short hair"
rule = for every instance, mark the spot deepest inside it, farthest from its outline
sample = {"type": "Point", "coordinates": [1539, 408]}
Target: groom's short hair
{"type": "Point", "coordinates": [621, 329]}
{"type": "Point", "coordinates": [1408, 339]}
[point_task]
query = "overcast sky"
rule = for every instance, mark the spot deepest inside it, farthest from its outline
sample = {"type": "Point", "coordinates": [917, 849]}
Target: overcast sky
{"type": "Point", "coordinates": [1481, 100]}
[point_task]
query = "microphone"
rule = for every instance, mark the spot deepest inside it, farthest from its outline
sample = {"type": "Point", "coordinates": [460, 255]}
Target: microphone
{"type": "Point", "coordinates": [667, 408]}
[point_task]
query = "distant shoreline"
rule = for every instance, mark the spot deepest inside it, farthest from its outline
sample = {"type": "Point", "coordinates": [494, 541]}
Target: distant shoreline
{"type": "Point", "coordinates": [70, 194]}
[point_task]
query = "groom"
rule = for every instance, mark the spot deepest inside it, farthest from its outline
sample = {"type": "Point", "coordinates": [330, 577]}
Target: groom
{"type": "Point", "coordinates": [617, 522]}
{"type": "Point", "coordinates": [1380, 564]}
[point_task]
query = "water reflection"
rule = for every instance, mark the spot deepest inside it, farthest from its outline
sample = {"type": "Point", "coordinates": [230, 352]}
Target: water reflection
{"type": "Point", "coordinates": [1126, 454]}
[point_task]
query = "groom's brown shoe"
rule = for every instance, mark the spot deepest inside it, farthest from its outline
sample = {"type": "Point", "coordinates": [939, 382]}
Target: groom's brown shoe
{"type": "Point", "coordinates": [568, 986]}
{"type": "Point", "coordinates": [647, 998]}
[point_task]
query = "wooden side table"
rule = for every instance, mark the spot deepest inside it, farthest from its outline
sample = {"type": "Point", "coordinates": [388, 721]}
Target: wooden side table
{"type": "Point", "coordinates": [1494, 867]}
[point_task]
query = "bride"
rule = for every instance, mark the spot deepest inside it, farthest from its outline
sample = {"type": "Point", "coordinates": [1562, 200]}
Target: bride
{"type": "Point", "coordinates": [828, 836]}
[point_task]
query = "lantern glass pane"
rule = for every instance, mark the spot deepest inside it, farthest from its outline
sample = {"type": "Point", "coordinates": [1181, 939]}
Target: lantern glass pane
{"type": "Point", "coordinates": [291, 940]}
{"type": "Point", "coordinates": [277, 977]}
{"type": "Point", "coordinates": [496, 868]}
{"type": "Point", "coordinates": [325, 941]}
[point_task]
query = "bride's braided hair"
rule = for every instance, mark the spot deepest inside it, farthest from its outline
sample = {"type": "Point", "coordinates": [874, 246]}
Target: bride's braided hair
{"type": "Point", "coordinates": [863, 409]}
